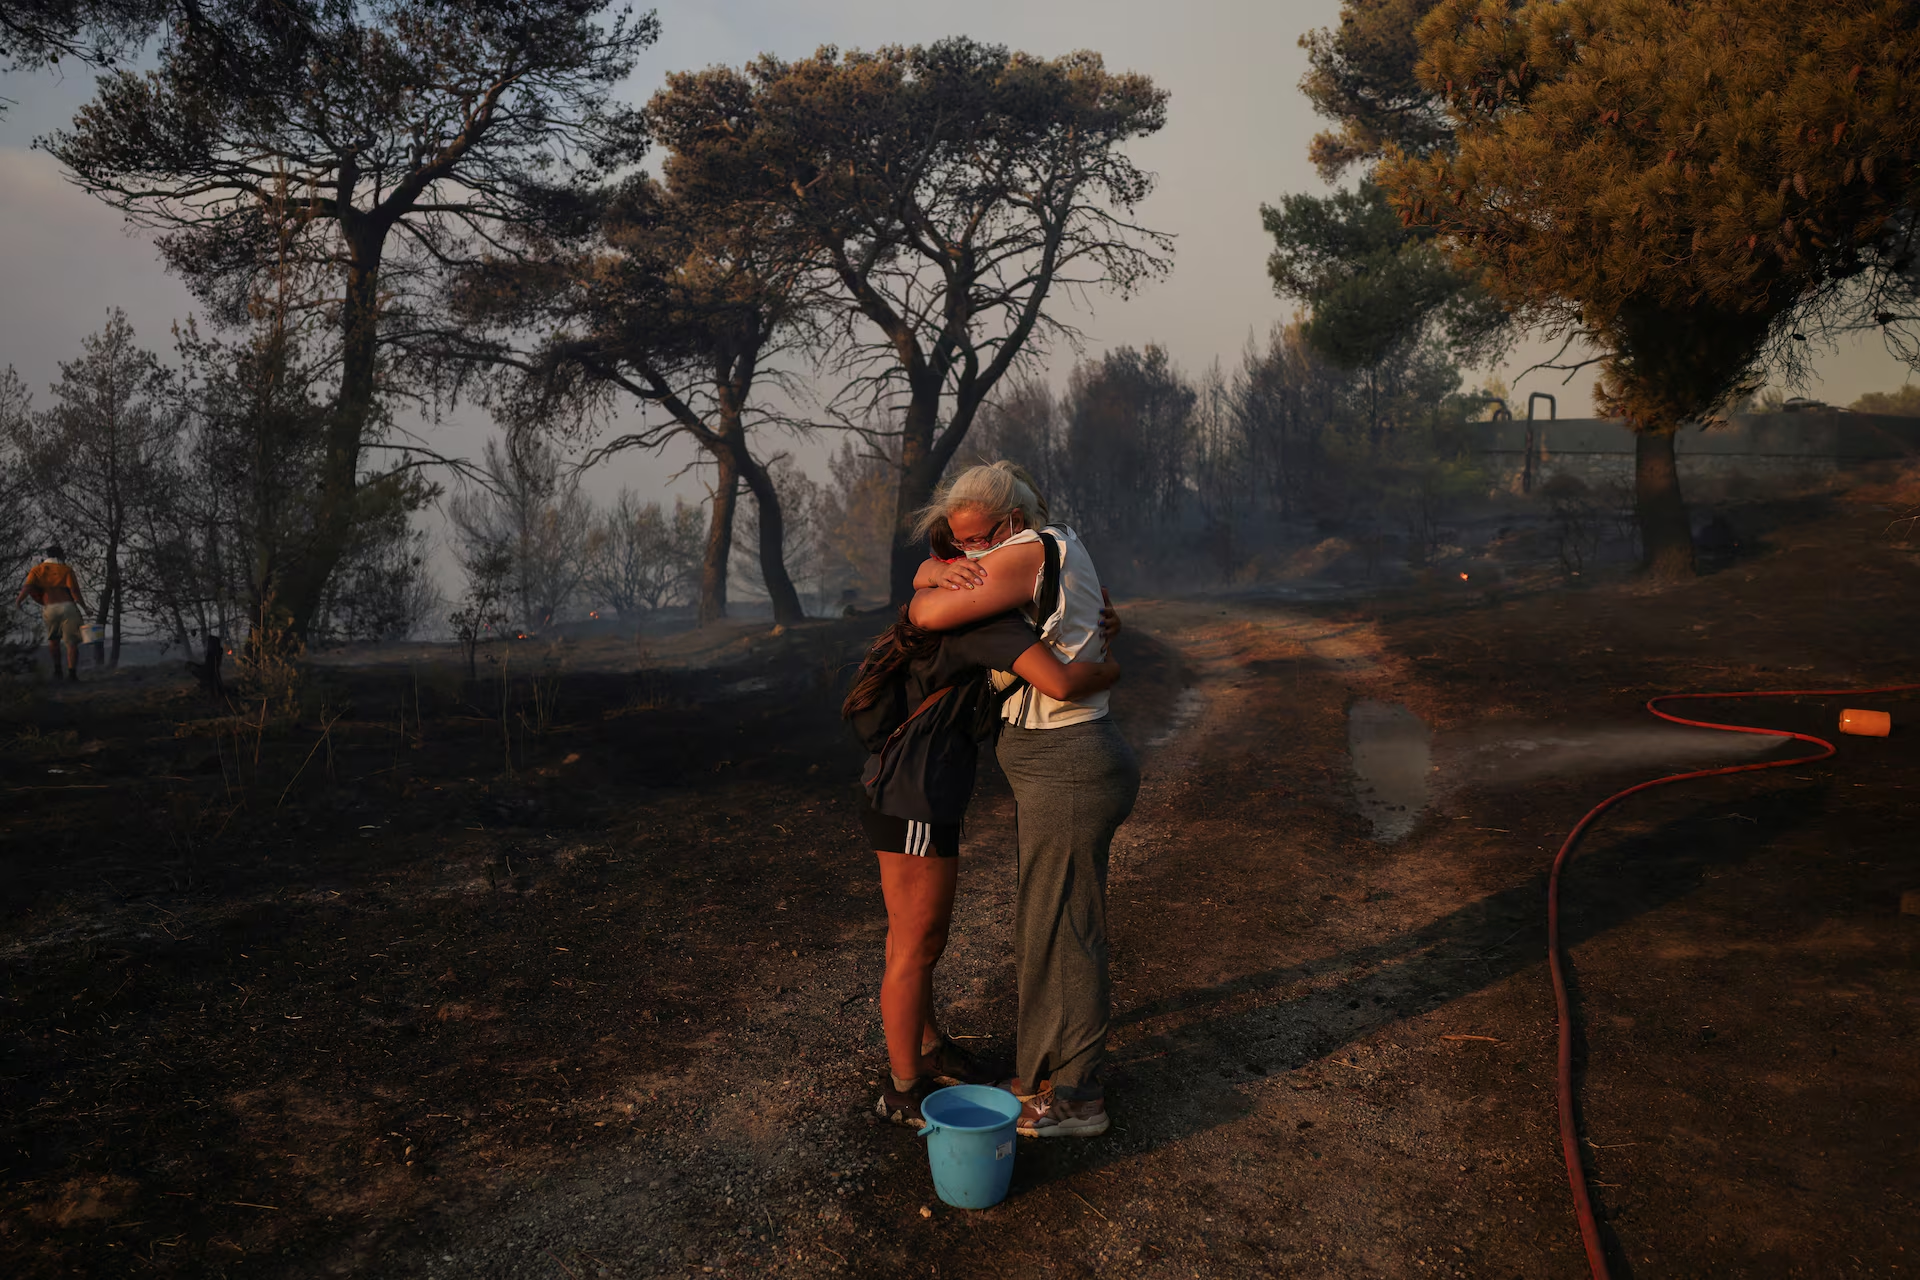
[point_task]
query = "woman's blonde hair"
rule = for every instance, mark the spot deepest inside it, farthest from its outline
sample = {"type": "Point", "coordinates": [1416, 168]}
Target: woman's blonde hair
{"type": "Point", "coordinates": [997, 488]}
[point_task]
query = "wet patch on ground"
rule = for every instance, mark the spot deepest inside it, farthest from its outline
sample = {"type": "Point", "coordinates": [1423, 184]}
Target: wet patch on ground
{"type": "Point", "coordinates": [1391, 751]}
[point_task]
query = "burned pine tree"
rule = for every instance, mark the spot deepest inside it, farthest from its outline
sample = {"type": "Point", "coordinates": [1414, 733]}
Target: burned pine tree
{"type": "Point", "coordinates": [684, 299]}
{"type": "Point", "coordinates": [641, 557]}
{"type": "Point", "coordinates": [243, 494]}
{"type": "Point", "coordinates": [1124, 460]}
{"type": "Point", "coordinates": [361, 150]}
{"type": "Point", "coordinates": [528, 502]}
{"type": "Point", "coordinates": [942, 195]}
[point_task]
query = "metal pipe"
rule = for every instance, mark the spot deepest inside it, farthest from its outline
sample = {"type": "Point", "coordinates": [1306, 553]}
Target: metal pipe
{"type": "Point", "coordinates": [1526, 464]}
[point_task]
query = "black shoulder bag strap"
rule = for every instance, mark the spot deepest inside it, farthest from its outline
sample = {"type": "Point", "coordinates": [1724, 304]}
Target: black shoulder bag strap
{"type": "Point", "coordinates": [1045, 601]}
{"type": "Point", "coordinates": [1049, 598]}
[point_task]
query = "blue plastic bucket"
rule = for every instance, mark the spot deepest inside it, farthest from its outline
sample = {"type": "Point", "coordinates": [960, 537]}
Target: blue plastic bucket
{"type": "Point", "coordinates": [969, 1133]}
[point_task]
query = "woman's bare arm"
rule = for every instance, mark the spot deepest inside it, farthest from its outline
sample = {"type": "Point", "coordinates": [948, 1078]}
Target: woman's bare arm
{"type": "Point", "coordinates": [954, 575]}
{"type": "Point", "coordinates": [1009, 585]}
{"type": "Point", "coordinates": [1067, 681]}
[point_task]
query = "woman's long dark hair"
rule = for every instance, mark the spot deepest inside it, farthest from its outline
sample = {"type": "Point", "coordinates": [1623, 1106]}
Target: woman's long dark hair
{"type": "Point", "coordinates": [892, 649]}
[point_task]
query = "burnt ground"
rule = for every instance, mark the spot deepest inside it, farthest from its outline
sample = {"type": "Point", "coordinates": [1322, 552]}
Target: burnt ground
{"type": "Point", "coordinates": [594, 995]}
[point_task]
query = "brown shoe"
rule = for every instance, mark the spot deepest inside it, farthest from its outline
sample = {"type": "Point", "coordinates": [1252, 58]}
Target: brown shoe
{"type": "Point", "coordinates": [948, 1063]}
{"type": "Point", "coordinates": [902, 1106]}
{"type": "Point", "coordinates": [1048, 1115]}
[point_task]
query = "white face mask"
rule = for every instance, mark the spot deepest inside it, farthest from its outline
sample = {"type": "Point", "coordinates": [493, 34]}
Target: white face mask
{"type": "Point", "coordinates": [1006, 524]}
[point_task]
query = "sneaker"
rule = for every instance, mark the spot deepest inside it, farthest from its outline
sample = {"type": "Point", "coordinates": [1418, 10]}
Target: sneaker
{"type": "Point", "coordinates": [74, 676]}
{"type": "Point", "coordinates": [1047, 1115]}
{"type": "Point", "coordinates": [902, 1107]}
{"type": "Point", "coordinates": [950, 1064]}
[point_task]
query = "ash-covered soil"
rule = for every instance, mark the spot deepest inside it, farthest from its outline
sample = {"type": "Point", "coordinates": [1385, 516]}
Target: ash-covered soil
{"type": "Point", "coordinates": [592, 993]}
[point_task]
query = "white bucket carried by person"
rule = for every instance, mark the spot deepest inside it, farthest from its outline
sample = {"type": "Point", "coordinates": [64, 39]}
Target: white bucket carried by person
{"type": "Point", "coordinates": [93, 632]}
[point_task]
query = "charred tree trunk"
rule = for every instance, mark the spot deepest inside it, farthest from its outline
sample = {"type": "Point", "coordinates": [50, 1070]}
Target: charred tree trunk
{"type": "Point", "coordinates": [924, 457]}
{"type": "Point", "coordinates": [207, 670]}
{"type": "Point", "coordinates": [1666, 538]}
{"type": "Point", "coordinates": [352, 410]}
{"type": "Point", "coordinates": [773, 543]}
{"type": "Point", "coordinates": [107, 608]}
{"type": "Point", "coordinates": [1374, 434]}
{"type": "Point", "coordinates": [713, 568]}
{"type": "Point", "coordinates": [119, 610]}
{"type": "Point", "coordinates": [918, 476]}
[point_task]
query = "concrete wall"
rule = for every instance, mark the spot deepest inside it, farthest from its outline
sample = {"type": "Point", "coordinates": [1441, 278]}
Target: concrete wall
{"type": "Point", "coordinates": [1758, 452]}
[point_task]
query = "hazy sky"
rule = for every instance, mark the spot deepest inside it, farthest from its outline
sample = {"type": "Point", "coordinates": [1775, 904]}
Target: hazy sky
{"type": "Point", "coordinates": [1236, 135]}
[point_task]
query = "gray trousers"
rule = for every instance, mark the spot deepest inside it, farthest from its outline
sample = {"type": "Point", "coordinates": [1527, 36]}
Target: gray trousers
{"type": "Point", "coordinates": [1072, 789]}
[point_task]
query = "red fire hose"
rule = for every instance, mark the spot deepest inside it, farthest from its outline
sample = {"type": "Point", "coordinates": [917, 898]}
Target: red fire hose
{"type": "Point", "coordinates": [1569, 1139]}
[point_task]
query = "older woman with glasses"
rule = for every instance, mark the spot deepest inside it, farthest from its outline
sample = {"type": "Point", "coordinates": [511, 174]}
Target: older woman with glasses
{"type": "Point", "coordinates": [1073, 775]}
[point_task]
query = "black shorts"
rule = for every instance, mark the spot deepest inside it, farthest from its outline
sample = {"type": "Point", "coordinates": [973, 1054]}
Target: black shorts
{"type": "Point", "coordinates": [901, 835]}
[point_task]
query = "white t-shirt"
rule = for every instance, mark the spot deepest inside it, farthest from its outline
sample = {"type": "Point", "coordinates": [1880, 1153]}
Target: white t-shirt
{"type": "Point", "coordinates": [1073, 632]}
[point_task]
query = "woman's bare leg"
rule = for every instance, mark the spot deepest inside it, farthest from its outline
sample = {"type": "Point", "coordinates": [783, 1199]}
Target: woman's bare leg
{"type": "Point", "coordinates": [919, 896]}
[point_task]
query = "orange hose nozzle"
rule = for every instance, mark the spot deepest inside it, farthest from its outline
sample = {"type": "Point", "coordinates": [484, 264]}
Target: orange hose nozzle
{"type": "Point", "coordinates": [1866, 724]}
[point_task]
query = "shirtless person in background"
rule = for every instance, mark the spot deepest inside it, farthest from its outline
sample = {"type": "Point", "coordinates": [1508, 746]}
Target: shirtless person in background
{"type": "Point", "coordinates": [54, 588]}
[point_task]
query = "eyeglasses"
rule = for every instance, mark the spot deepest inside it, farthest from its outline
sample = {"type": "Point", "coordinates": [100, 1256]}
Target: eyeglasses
{"type": "Point", "coordinates": [985, 540]}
